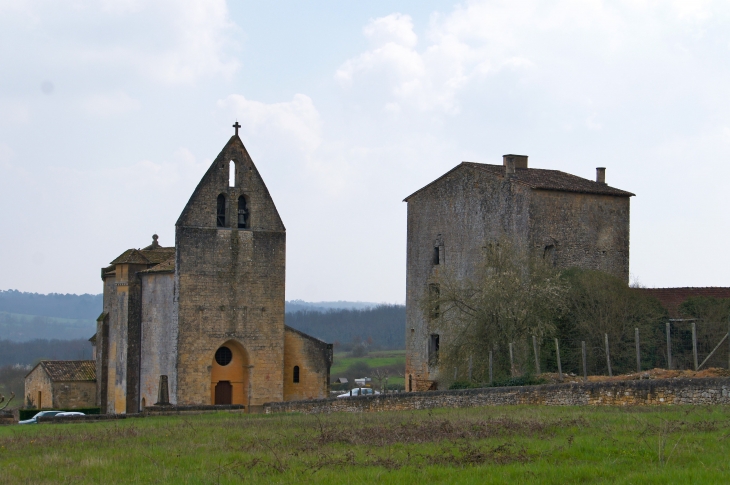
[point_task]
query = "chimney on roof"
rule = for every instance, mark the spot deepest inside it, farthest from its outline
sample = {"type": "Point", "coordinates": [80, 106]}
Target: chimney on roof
{"type": "Point", "coordinates": [601, 175]}
{"type": "Point", "coordinates": [509, 162]}
{"type": "Point", "coordinates": [520, 161]}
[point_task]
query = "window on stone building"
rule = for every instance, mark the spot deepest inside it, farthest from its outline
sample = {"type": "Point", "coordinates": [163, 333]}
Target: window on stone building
{"type": "Point", "coordinates": [223, 356]}
{"type": "Point", "coordinates": [296, 374]}
{"type": "Point", "coordinates": [548, 254]}
{"type": "Point", "coordinates": [242, 212]}
{"type": "Point", "coordinates": [436, 255]}
{"type": "Point", "coordinates": [434, 293]}
{"type": "Point", "coordinates": [221, 211]}
{"type": "Point", "coordinates": [232, 174]}
{"type": "Point", "coordinates": [433, 349]}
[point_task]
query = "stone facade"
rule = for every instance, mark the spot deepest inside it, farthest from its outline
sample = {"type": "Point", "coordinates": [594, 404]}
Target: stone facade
{"type": "Point", "coordinates": [705, 391]}
{"type": "Point", "coordinates": [307, 362]}
{"type": "Point", "coordinates": [172, 311]}
{"type": "Point", "coordinates": [61, 385]}
{"type": "Point", "coordinates": [565, 219]}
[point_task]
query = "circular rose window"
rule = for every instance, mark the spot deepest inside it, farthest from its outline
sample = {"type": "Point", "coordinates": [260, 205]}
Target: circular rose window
{"type": "Point", "coordinates": [223, 356]}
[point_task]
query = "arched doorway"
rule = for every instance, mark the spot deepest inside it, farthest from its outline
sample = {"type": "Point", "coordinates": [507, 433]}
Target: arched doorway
{"type": "Point", "coordinates": [229, 374]}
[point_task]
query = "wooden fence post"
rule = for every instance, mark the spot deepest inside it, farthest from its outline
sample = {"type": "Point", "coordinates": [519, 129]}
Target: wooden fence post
{"type": "Point", "coordinates": [491, 380]}
{"type": "Point", "coordinates": [537, 355]}
{"type": "Point", "coordinates": [694, 344]}
{"type": "Point", "coordinates": [557, 352]}
{"type": "Point", "coordinates": [638, 350]}
{"type": "Point", "coordinates": [669, 345]}
{"type": "Point", "coordinates": [608, 356]}
{"type": "Point", "coordinates": [585, 371]}
{"type": "Point", "coordinates": [470, 361]}
{"type": "Point", "coordinates": [511, 361]}
{"type": "Point", "coordinates": [456, 370]}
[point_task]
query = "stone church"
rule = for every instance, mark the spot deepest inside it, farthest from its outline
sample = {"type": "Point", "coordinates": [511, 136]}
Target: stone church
{"type": "Point", "coordinates": [568, 220]}
{"type": "Point", "coordinates": [208, 313]}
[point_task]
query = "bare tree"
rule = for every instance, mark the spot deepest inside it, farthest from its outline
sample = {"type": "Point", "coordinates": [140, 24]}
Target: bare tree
{"type": "Point", "coordinates": [512, 297]}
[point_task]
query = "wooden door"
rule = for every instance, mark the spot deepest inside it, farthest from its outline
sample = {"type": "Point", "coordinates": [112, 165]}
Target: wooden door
{"type": "Point", "coordinates": [223, 392]}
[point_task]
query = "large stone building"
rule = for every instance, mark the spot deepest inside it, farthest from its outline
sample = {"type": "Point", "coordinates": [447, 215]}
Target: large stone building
{"type": "Point", "coordinates": [566, 219]}
{"type": "Point", "coordinates": [208, 313]}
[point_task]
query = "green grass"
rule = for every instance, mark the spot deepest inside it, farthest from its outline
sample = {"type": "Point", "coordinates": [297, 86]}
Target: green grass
{"type": "Point", "coordinates": [521, 444]}
{"type": "Point", "coordinates": [381, 358]}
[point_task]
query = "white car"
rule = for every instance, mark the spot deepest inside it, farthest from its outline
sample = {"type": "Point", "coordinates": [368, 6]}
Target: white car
{"type": "Point", "coordinates": [359, 391]}
{"type": "Point", "coordinates": [34, 419]}
{"type": "Point", "coordinates": [69, 413]}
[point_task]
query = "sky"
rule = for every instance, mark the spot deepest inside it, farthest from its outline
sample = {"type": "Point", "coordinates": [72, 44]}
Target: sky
{"type": "Point", "coordinates": [111, 112]}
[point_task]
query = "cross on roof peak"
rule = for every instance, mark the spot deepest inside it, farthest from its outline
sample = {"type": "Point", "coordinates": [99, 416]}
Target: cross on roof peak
{"type": "Point", "coordinates": [236, 126]}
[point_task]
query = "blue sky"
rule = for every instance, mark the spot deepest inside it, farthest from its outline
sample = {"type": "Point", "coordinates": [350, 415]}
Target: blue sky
{"type": "Point", "coordinates": [111, 111]}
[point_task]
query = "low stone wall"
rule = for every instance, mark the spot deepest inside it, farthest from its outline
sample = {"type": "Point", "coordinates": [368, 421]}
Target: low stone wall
{"type": "Point", "coordinates": [615, 393]}
{"type": "Point", "coordinates": [8, 417]}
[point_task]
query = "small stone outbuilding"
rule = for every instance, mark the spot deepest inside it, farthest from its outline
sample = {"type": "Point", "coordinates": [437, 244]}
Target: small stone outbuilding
{"type": "Point", "coordinates": [61, 384]}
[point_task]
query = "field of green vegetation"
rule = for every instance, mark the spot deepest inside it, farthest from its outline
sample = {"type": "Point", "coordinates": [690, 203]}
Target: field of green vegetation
{"type": "Point", "coordinates": [351, 367]}
{"type": "Point", "coordinates": [477, 445]}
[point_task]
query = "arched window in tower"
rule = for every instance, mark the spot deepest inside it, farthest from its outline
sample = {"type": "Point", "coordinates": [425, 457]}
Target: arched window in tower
{"type": "Point", "coordinates": [242, 212]}
{"type": "Point", "coordinates": [296, 374]}
{"type": "Point", "coordinates": [232, 174]}
{"type": "Point", "coordinates": [221, 211]}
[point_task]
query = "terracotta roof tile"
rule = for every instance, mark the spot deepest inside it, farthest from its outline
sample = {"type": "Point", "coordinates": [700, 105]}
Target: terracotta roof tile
{"type": "Point", "coordinates": [541, 179]}
{"type": "Point", "coordinates": [70, 370]}
{"type": "Point", "coordinates": [167, 266]}
{"type": "Point", "coordinates": [144, 256]}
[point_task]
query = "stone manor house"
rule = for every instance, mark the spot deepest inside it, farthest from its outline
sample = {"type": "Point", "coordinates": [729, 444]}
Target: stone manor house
{"type": "Point", "coordinates": [208, 313]}
{"type": "Point", "coordinates": [565, 219]}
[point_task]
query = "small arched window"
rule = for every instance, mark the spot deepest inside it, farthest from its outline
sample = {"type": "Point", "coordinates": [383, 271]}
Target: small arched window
{"type": "Point", "coordinates": [242, 213]}
{"type": "Point", "coordinates": [296, 374]}
{"type": "Point", "coordinates": [232, 174]}
{"type": "Point", "coordinates": [221, 211]}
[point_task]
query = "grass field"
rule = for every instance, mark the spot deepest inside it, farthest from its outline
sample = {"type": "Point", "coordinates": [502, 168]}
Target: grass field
{"type": "Point", "coordinates": [477, 445]}
{"type": "Point", "coordinates": [381, 358]}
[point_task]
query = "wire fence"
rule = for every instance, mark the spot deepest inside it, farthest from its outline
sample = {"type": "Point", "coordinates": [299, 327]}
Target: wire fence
{"type": "Point", "coordinates": [679, 344]}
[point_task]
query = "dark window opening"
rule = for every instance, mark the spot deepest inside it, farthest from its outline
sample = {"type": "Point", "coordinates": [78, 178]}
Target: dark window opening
{"type": "Point", "coordinates": [436, 255]}
{"type": "Point", "coordinates": [242, 213]}
{"type": "Point", "coordinates": [435, 295]}
{"type": "Point", "coordinates": [221, 211]}
{"type": "Point", "coordinates": [433, 349]}
{"type": "Point", "coordinates": [223, 356]}
{"type": "Point", "coordinates": [296, 374]}
{"type": "Point", "coordinates": [548, 254]}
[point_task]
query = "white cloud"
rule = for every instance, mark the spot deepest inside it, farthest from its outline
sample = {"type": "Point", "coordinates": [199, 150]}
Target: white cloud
{"type": "Point", "coordinates": [170, 41]}
{"type": "Point", "coordinates": [296, 121]}
{"type": "Point", "coordinates": [110, 104]}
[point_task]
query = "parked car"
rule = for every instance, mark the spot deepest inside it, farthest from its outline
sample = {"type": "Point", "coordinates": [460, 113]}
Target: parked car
{"type": "Point", "coordinates": [69, 413]}
{"type": "Point", "coordinates": [42, 414]}
{"type": "Point", "coordinates": [359, 391]}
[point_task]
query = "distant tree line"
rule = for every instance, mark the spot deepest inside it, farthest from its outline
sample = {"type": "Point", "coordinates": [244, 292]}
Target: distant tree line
{"type": "Point", "coordinates": [21, 328]}
{"type": "Point", "coordinates": [31, 352]}
{"type": "Point", "coordinates": [80, 307]}
{"type": "Point", "coordinates": [382, 326]}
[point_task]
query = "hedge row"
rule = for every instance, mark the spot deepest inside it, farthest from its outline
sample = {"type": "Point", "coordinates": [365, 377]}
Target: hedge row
{"type": "Point", "coordinates": [29, 413]}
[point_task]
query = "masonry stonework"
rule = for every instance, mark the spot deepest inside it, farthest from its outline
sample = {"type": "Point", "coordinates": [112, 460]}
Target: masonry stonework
{"type": "Point", "coordinates": [701, 391]}
{"type": "Point", "coordinates": [564, 219]}
{"type": "Point", "coordinates": [170, 311]}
